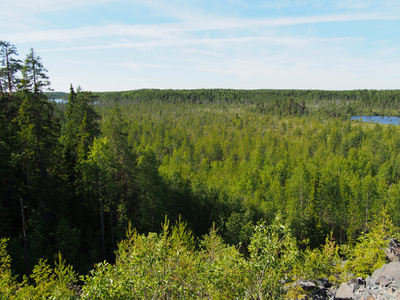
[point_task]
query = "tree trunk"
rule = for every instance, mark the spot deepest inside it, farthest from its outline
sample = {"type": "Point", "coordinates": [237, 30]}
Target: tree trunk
{"type": "Point", "coordinates": [8, 74]}
{"type": "Point", "coordinates": [24, 235]}
{"type": "Point", "coordinates": [112, 228]}
{"type": "Point", "coordinates": [102, 222]}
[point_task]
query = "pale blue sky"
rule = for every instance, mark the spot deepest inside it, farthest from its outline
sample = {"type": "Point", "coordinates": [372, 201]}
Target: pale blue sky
{"type": "Point", "coordinates": [107, 45]}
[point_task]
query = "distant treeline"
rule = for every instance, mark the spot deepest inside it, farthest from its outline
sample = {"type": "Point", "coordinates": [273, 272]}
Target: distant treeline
{"type": "Point", "coordinates": [281, 102]}
{"type": "Point", "coordinates": [271, 101]}
{"type": "Point", "coordinates": [57, 95]}
{"type": "Point", "coordinates": [253, 95]}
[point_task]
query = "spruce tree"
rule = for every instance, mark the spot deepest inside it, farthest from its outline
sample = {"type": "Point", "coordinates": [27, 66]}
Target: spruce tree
{"type": "Point", "coordinates": [82, 124]}
{"type": "Point", "coordinates": [34, 74]}
{"type": "Point", "coordinates": [124, 194]}
{"type": "Point", "coordinates": [36, 154]}
{"type": "Point", "coordinates": [9, 68]}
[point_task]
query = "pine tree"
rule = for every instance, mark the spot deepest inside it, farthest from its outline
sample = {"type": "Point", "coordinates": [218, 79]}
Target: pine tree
{"type": "Point", "coordinates": [123, 195]}
{"type": "Point", "coordinates": [36, 152]}
{"type": "Point", "coordinates": [80, 131]}
{"type": "Point", "coordinates": [82, 125]}
{"type": "Point", "coordinates": [95, 182]}
{"type": "Point", "coordinates": [10, 66]}
{"type": "Point", "coordinates": [34, 75]}
{"type": "Point", "coordinates": [81, 128]}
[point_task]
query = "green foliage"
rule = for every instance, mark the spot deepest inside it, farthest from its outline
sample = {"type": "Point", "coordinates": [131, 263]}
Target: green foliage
{"type": "Point", "coordinates": [323, 262]}
{"type": "Point", "coordinates": [223, 271]}
{"type": "Point", "coordinates": [49, 283]}
{"type": "Point", "coordinates": [224, 157]}
{"type": "Point", "coordinates": [239, 228]}
{"type": "Point", "coordinates": [273, 254]}
{"type": "Point", "coordinates": [338, 104]}
{"type": "Point", "coordinates": [369, 253]}
{"type": "Point", "coordinates": [167, 266]}
{"type": "Point", "coordinates": [57, 95]}
{"type": "Point", "coordinates": [68, 240]}
{"type": "Point", "coordinates": [148, 179]}
{"type": "Point", "coordinates": [8, 283]}
{"type": "Point", "coordinates": [38, 133]}
{"type": "Point", "coordinates": [34, 77]}
{"type": "Point", "coordinates": [152, 266]}
{"type": "Point", "coordinates": [9, 66]}
{"type": "Point", "coordinates": [81, 125]}
{"type": "Point", "coordinates": [339, 263]}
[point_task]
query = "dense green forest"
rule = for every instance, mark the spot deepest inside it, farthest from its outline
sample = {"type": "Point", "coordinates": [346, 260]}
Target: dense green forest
{"type": "Point", "coordinates": [281, 102]}
{"type": "Point", "coordinates": [259, 187]}
{"type": "Point", "coordinates": [274, 102]}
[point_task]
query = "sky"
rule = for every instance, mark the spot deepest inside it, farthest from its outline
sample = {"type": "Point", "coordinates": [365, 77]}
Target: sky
{"type": "Point", "coordinates": [104, 45]}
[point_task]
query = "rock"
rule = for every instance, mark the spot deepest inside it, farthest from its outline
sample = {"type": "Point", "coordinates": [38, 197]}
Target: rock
{"type": "Point", "coordinates": [316, 289]}
{"type": "Point", "coordinates": [321, 294]}
{"type": "Point", "coordinates": [390, 271]}
{"type": "Point", "coordinates": [383, 281]}
{"type": "Point", "coordinates": [393, 251]}
{"type": "Point", "coordinates": [345, 291]}
{"type": "Point", "coordinates": [323, 282]}
{"type": "Point", "coordinates": [357, 282]}
{"type": "Point", "coordinates": [360, 281]}
{"type": "Point", "coordinates": [368, 298]}
{"type": "Point", "coordinates": [307, 285]}
{"type": "Point", "coordinates": [369, 281]}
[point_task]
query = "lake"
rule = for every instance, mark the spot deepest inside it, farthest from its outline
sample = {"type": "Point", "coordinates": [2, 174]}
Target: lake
{"type": "Point", "coordinates": [59, 100]}
{"type": "Point", "coordinates": [377, 119]}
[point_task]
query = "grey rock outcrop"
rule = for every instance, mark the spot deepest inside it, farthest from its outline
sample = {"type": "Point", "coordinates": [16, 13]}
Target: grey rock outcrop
{"type": "Point", "coordinates": [319, 289]}
{"type": "Point", "coordinates": [393, 251]}
{"type": "Point", "coordinates": [384, 283]}
{"type": "Point", "coordinates": [345, 292]}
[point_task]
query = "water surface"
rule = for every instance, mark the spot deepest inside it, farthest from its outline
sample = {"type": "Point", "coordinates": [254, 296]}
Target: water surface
{"type": "Point", "coordinates": [377, 119]}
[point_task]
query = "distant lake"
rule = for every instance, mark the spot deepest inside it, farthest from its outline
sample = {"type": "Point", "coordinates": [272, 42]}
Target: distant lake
{"type": "Point", "coordinates": [66, 101]}
{"type": "Point", "coordinates": [377, 119]}
{"type": "Point", "coordinates": [59, 100]}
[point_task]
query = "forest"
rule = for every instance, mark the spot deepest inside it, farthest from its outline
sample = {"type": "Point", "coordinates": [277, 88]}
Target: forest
{"type": "Point", "coordinates": [210, 193]}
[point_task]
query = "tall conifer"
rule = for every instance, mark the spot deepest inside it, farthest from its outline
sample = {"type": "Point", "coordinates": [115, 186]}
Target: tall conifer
{"type": "Point", "coordinates": [9, 67]}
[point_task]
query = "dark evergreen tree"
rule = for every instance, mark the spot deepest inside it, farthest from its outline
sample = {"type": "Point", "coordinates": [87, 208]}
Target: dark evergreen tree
{"type": "Point", "coordinates": [36, 156]}
{"type": "Point", "coordinates": [123, 200]}
{"type": "Point", "coordinates": [81, 128]}
{"type": "Point", "coordinates": [82, 125]}
{"type": "Point", "coordinates": [9, 68]}
{"type": "Point", "coordinates": [34, 75]}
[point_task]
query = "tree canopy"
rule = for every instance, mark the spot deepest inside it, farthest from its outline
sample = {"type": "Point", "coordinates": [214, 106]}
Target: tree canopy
{"type": "Point", "coordinates": [263, 186]}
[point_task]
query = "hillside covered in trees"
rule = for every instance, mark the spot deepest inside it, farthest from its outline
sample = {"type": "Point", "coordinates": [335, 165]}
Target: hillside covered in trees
{"type": "Point", "coordinates": [260, 187]}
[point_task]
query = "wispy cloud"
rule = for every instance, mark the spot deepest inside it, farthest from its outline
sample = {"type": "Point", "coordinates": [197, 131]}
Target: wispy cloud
{"type": "Point", "coordinates": [138, 66]}
{"type": "Point", "coordinates": [208, 43]}
{"type": "Point", "coordinates": [169, 29]}
{"type": "Point", "coordinates": [388, 51]}
{"type": "Point", "coordinates": [23, 15]}
{"type": "Point", "coordinates": [352, 5]}
{"type": "Point", "coordinates": [65, 35]}
{"type": "Point", "coordinates": [39, 6]}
